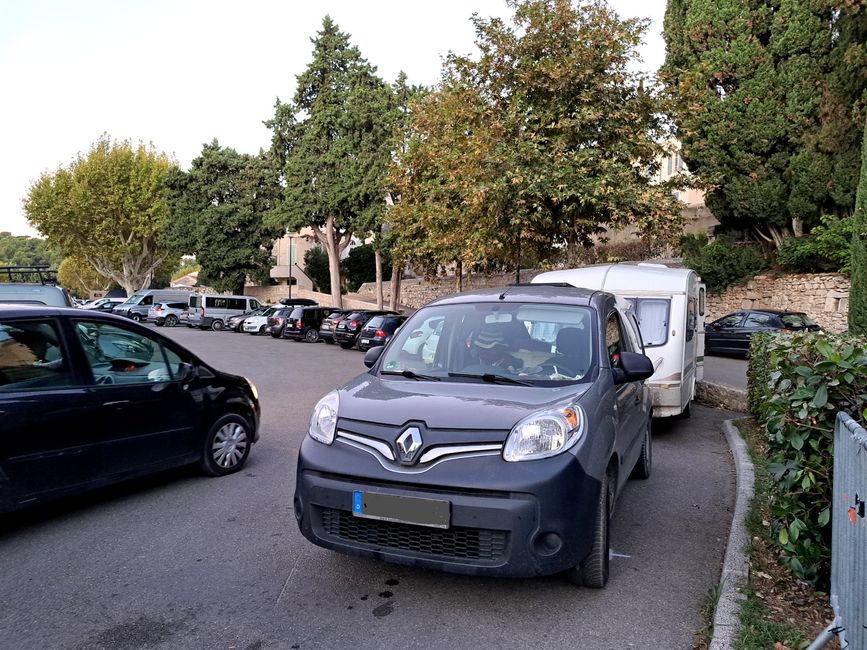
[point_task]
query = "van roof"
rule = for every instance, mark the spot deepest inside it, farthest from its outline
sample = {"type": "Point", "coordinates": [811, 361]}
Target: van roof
{"type": "Point", "coordinates": [623, 277]}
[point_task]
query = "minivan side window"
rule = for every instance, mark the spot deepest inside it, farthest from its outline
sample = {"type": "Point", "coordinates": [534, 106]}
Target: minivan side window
{"type": "Point", "coordinates": [237, 303]}
{"type": "Point", "coordinates": [215, 303]}
{"type": "Point", "coordinates": [117, 355]}
{"type": "Point", "coordinates": [31, 357]}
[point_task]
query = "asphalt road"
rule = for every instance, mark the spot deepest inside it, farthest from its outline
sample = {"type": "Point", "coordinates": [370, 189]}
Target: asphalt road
{"type": "Point", "coordinates": [726, 370]}
{"type": "Point", "coordinates": [185, 561]}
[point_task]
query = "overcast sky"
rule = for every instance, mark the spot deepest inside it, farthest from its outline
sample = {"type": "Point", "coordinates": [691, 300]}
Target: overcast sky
{"type": "Point", "coordinates": [178, 73]}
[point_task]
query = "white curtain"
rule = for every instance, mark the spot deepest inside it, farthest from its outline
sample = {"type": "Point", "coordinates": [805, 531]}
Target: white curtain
{"type": "Point", "coordinates": [653, 320]}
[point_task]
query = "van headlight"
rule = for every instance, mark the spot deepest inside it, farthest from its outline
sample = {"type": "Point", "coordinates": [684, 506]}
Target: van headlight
{"type": "Point", "coordinates": [323, 422]}
{"type": "Point", "coordinates": [545, 434]}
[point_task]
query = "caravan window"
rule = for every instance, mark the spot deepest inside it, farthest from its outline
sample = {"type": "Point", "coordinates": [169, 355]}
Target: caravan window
{"type": "Point", "coordinates": [652, 315]}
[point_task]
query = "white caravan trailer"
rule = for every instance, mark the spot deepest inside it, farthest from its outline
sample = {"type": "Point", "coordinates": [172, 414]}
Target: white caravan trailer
{"type": "Point", "coordinates": [669, 305]}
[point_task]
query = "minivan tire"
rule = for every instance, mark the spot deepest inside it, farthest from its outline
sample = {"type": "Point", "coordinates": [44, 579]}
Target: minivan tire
{"type": "Point", "coordinates": [311, 335]}
{"type": "Point", "coordinates": [217, 325]}
{"type": "Point", "coordinates": [227, 445]}
{"type": "Point", "coordinates": [593, 570]}
{"type": "Point", "coordinates": [171, 320]}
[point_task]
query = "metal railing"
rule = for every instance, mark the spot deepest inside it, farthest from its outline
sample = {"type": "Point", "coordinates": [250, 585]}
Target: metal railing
{"type": "Point", "coordinates": [848, 538]}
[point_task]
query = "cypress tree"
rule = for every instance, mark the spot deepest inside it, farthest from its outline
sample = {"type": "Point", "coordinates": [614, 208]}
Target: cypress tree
{"type": "Point", "coordinates": [858, 291]}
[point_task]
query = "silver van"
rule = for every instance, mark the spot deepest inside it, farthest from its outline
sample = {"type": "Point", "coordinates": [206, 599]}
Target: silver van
{"type": "Point", "coordinates": [213, 311]}
{"type": "Point", "coordinates": [136, 306]}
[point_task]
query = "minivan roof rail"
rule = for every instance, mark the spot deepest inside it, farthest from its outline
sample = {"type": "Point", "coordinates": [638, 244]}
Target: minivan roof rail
{"type": "Point", "coordinates": [41, 274]}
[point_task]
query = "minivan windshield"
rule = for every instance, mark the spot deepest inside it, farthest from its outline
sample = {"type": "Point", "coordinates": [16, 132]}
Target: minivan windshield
{"type": "Point", "coordinates": [537, 344]}
{"type": "Point", "coordinates": [134, 299]}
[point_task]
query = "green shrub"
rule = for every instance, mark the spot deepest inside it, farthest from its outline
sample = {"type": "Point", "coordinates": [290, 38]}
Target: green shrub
{"type": "Point", "coordinates": [826, 248]}
{"type": "Point", "coordinates": [360, 266]}
{"type": "Point", "coordinates": [316, 266]}
{"type": "Point", "coordinates": [724, 262]}
{"type": "Point", "coordinates": [798, 383]}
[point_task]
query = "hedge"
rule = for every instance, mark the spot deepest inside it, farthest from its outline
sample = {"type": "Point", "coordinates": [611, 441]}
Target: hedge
{"type": "Point", "coordinates": [797, 383]}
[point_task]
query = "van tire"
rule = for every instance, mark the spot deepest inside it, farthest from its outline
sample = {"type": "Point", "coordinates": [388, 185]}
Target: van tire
{"type": "Point", "coordinates": [171, 320]}
{"type": "Point", "coordinates": [311, 335]}
{"type": "Point", "coordinates": [217, 325]}
{"type": "Point", "coordinates": [592, 571]}
{"type": "Point", "coordinates": [136, 318]}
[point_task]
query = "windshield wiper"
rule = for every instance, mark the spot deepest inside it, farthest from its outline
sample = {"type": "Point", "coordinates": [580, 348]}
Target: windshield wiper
{"type": "Point", "coordinates": [410, 374]}
{"type": "Point", "coordinates": [492, 378]}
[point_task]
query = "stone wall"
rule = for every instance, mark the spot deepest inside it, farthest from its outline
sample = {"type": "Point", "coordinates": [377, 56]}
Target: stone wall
{"type": "Point", "coordinates": [273, 294]}
{"type": "Point", "coordinates": [824, 297]}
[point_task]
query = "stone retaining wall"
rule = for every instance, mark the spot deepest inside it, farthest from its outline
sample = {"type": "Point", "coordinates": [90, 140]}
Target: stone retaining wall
{"type": "Point", "coordinates": [824, 297]}
{"type": "Point", "coordinates": [273, 294]}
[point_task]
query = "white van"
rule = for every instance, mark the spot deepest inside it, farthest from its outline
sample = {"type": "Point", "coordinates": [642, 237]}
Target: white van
{"type": "Point", "coordinates": [669, 305]}
{"type": "Point", "coordinates": [213, 311]}
{"type": "Point", "coordinates": [137, 305]}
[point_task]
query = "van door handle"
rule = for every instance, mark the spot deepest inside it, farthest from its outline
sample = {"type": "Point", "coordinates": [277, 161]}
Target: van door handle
{"type": "Point", "coordinates": [116, 404]}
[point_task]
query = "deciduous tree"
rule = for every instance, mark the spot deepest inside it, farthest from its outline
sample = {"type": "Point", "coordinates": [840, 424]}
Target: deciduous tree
{"type": "Point", "coordinates": [543, 142]}
{"type": "Point", "coordinates": [107, 207]}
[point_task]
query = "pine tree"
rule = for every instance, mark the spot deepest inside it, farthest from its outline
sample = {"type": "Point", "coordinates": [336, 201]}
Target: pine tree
{"type": "Point", "coordinates": [858, 290]}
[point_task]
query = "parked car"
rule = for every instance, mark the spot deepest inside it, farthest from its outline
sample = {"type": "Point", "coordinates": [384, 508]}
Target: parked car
{"type": "Point", "coordinates": [168, 313]}
{"type": "Point", "coordinates": [304, 322]}
{"type": "Point", "coordinates": [32, 285]}
{"type": "Point", "coordinates": [146, 298]}
{"type": "Point", "coordinates": [210, 311]}
{"type": "Point", "coordinates": [326, 329]}
{"type": "Point", "coordinates": [128, 400]}
{"type": "Point", "coordinates": [347, 329]}
{"type": "Point", "coordinates": [104, 304]}
{"type": "Point", "coordinates": [259, 323]}
{"type": "Point", "coordinates": [378, 331]}
{"type": "Point", "coordinates": [276, 321]}
{"type": "Point", "coordinates": [502, 456]}
{"type": "Point", "coordinates": [731, 333]}
{"type": "Point", "coordinates": [236, 323]}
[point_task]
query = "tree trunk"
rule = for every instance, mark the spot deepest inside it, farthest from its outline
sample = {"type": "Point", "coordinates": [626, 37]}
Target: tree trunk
{"type": "Point", "coordinates": [377, 256]}
{"type": "Point", "coordinates": [459, 271]}
{"type": "Point", "coordinates": [396, 277]}
{"type": "Point", "coordinates": [332, 248]}
{"type": "Point", "coordinates": [797, 227]}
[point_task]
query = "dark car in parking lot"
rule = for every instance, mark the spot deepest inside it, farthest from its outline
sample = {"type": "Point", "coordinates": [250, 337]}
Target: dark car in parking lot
{"type": "Point", "coordinates": [277, 321]}
{"type": "Point", "coordinates": [378, 331]}
{"type": "Point", "coordinates": [502, 454]}
{"type": "Point", "coordinates": [731, 334]}
{"type": "Point", "coordinates": [329, 323]}
{"type": "Point", "coordinates": [304, 322]}
{"type": "Point", "coordinates": [347, 329]}
{"type": "Point", "coordinates": [88, 399]}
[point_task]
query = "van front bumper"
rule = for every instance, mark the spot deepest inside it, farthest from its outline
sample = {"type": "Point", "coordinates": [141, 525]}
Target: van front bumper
{"type": "Point", "coordinates": [520, 519]}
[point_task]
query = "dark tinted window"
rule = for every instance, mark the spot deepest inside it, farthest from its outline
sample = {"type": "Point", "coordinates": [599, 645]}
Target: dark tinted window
{"type": "Point", "coordinates": [356, 315]}
{"type": "Point", "coordinates": [760, 320]}
{"type": "Point", "coordinates": [297, 313]}
{"type": "Point", "coordinates": [237, 303]}
{"type": "Point", "coordinates": [31, 357]}
{"type": "Point", "coordinates": [376, 321]}
{"type": "Point", "coordinates": [797, 320]}
{"type": "Point", "coordinates": [215, 303]}
{"type": "Point", "coordinates": [732, 320]}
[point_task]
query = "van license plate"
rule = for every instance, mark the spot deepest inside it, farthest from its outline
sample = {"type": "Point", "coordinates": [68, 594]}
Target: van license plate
{"type": "Point", "coordinates": [404, 510]}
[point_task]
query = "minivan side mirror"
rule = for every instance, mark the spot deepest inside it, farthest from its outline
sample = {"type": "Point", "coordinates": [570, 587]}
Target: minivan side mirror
{"type": "Point", "coordinates": [372, 355]}
{"type": "Point", "coordinates": [633, 367]}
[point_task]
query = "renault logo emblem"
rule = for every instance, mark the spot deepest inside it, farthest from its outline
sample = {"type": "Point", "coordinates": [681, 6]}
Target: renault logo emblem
{"type": "Point", "coordinates": [408, 443]}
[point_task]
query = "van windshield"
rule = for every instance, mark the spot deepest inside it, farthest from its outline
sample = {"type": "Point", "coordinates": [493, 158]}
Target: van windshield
{"type": "Point", "coordinates": [536, 344]}
{"type": "Point", "coordinates": [134, 299]}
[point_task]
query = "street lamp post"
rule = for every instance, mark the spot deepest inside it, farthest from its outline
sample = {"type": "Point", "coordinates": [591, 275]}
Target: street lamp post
{"type": "Point", "coordinates": [290, 266]}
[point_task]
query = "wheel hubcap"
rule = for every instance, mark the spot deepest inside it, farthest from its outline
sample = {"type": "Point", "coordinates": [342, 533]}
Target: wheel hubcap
{"type": "Point", "coordinates": [230, 445]}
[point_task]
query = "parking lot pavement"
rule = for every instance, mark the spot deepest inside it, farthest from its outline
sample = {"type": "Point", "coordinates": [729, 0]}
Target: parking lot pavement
{"type": "Point", "coordinates": [726, 370]}
{"type": "Point", "coordinates": [184, 561]}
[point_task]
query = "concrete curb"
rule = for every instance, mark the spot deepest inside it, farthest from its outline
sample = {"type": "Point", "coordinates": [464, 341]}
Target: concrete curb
{"type": "Point", "coordinates": [735, 571]}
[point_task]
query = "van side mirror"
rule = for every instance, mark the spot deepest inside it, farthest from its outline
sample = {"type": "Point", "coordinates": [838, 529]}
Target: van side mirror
{"type": "Point", "coordinates": [372, 355]}
{"type": "Point", "coordinates": [633, 367]}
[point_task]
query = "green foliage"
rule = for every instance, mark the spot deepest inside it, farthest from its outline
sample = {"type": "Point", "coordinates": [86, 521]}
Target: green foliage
{"type": "Point", "coordinates": [359, 266]}
{"type": "Point", "coordinates": [546, 140]}
{"type": "Point", "coordinates": [79, 277]}
{"type": "Point", "coordinates": [218, 215]}
{"type": "Point", "coordinates": [636, 250]}
{"type": "Point", "coordinates": [690, 245]}
{"type": "Point", "coordinates": [724, 262]}
{"type": "Point", "coordinates": [798, 383]}
{"type": "Point", "coordinates": [316, 266]}
{"type": "Point", "coordinates": [334, 142]}
{"type": "Point", "coordinates": [858, 290]}
{"type": "Point", "coordinates": [766, 105]}
{"type": "Point", "coordinates": [20, 250]}
{"type": "Point", "coordinates": [828, 247]}
{"type": "Point", "coordinates": [109, 208]}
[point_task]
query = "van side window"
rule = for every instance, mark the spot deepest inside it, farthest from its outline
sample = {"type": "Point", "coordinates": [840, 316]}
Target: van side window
{"type": "Point", "coordinates": [195, 302]}
{"type": "Point", "coordinates": [690, 318]}
{"type": "Point", "coordinates": [237, 303]}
